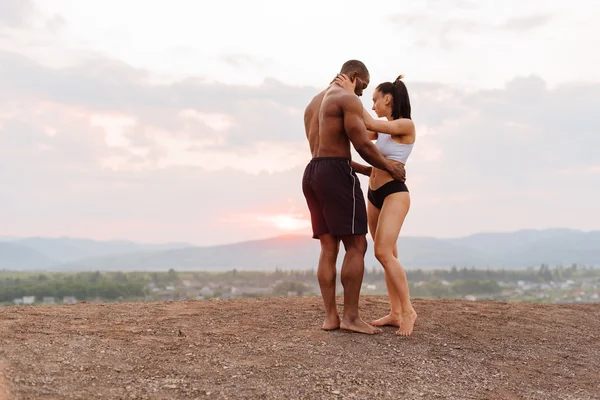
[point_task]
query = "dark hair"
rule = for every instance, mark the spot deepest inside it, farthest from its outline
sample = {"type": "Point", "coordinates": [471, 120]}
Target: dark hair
{"type": "Point", "coordinates": [355, 66]}
{"type": "Point", "coordinates": [400, 100]}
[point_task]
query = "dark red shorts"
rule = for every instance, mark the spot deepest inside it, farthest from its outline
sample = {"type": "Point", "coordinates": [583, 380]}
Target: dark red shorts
{"type": "Point", "coordinates": [334, 197]}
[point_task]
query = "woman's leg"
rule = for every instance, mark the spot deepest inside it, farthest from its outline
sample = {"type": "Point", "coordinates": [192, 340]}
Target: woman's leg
{"type": "Point", "coordinates": [391, 217]}
{"type": "Point", "coordinates": [395, 308]}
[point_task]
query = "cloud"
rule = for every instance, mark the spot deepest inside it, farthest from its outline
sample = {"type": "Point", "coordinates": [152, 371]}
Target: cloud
{"type": "Point", "coordinates": [245, 60]}
{"type": "Point", "coordinates": [100, 142]}
{"type": "Point", "coordinates": [98, 149]}
{"type": "Point", "coordinates": [525, 125]}
{"type": "Point", "coordinates": [527, 23]}
{"type": "Point", "coordinates": [22, 23]}
{"type": "Point", "coordinates": [432, 30]}
{"type": "Point", "coordinates": [107, 85]}
{"type": "Point", "coordinates": [15, 13]}
{"type": "Point", "coordinates": [581, 170]}
{"type": "Point", "coordinates": [56, 23]}
{"type": "Point", "coordinates": [461, 4]}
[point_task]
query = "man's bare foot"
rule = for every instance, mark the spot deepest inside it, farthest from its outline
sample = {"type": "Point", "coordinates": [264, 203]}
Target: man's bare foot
{"type": "Point", "coordinates": [359, 326]}
{"type": "Point", "coordinates": [388, 320]}
{"type": "Point", "coordinates": [331, 323]}
{"type": "Point", "coordinates": [408, 323]}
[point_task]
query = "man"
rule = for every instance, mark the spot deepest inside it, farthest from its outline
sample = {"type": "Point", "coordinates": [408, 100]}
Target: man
{"type": "Point", "coordinates": [332, 121]}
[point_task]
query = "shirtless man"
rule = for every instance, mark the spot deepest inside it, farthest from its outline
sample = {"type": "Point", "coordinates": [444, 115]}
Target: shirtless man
{"type": "Point", "coordinates": [333, 120]}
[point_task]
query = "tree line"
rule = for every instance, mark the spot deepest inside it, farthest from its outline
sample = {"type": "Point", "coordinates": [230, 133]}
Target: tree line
{"type": "Point", "coordinates": [131, 285]}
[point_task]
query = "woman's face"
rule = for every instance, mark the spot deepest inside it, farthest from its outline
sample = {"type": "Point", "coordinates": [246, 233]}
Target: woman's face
{"type": "Point", "coordinates": [382, 104]}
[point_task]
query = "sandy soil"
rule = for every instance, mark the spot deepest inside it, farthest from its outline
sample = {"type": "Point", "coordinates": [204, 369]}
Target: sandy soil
{"type": "Point", "coordinates": [273, 348]}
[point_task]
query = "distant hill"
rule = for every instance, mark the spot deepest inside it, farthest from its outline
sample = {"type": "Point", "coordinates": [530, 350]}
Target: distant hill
{"type": "Point", "coordinates": [42, 253]}
{"type": "Point", "coordinates": [491, 250]}
{"type": "Point", "coordinates": [15, 256]}
{"type": "Point", "coordinates": [513, 250]}
{"type": "Point", "coordinates": [532, 247]}
{"type": "Point", "coordinates": [68, 249]}
{"type": "Point", "coordinates": [286, 252]}
{"type": "Point", "coordinates": [496, 244]}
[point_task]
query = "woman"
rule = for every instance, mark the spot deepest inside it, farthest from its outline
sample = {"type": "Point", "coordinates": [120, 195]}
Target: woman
{"type": "Point", "coordinates": [389, 200]}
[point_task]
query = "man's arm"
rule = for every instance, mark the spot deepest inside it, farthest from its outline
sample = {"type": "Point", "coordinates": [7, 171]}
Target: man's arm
{"type": "Point", "coordinates": [357, 133]}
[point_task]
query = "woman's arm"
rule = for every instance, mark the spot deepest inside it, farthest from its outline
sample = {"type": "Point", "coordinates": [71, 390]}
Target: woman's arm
{"type": "Point", "coordinates": [400, 127]}
{"type": "Point", "coordinates": [361, 169]}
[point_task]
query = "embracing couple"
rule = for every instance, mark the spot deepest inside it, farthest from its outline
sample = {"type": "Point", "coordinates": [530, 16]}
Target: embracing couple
{"type": "Point", "coordinates": [333, 120]}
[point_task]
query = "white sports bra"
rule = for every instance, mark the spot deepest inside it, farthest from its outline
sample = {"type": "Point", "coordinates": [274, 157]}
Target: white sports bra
{"type": "Point", "coordinates": [393, 150]}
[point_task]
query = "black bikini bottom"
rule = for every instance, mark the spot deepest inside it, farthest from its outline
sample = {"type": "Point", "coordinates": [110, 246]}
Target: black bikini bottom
{"type": "Point", "coordinates": [377, 196]}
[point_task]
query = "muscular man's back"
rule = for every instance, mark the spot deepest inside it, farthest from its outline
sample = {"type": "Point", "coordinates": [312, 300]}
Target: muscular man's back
{"type": "Point", "coordinates": [324, 124]}
{"type": "Point", "coordinates": [311, 122]}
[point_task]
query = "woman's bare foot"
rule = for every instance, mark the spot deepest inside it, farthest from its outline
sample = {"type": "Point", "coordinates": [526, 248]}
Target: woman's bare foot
{"type": "Point", "coordinates": [332, 322]}
{"type": "Point", "coordinates": [359, 326]}
{"type": "Point", "coordinates": [388, 320]}
{"type": "Point", "coordinates": [408, 323]}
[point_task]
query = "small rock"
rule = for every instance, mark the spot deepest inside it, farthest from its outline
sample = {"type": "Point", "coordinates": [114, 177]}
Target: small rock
{"type": "Point", "coordinates": [336, 392]}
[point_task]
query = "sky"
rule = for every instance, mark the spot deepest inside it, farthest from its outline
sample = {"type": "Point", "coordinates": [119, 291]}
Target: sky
{"type": "Point", "coordinates": [183, 120]}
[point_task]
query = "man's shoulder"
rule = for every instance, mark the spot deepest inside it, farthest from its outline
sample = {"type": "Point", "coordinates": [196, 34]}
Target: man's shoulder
{"type": "Point", "coordinates": [315, 102]}
{"type": "Point", "coordinates": [341, 95]}
{"type": "Point", "coordinates": [319, 96]}
{"type": "Point", "coordinates": [349, 101]}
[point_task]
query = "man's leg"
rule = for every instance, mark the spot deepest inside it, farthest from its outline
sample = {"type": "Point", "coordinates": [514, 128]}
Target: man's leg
{"type": "Point", "coordinates": [326, 274]}
{"type": "Point", "coordinates": [353, 270]}
{"type": "Point", "coordinates": [345, 214]}
{"type": "Point", "coordinates": [326, 271]}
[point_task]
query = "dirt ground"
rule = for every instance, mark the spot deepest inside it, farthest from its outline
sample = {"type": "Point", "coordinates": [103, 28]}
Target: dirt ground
{"type": "Point", "coordinates": [273, 348]}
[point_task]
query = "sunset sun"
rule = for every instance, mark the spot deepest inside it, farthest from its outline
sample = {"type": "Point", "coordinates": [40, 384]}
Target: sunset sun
{"type": "Point", "coordinates": [287, 222]}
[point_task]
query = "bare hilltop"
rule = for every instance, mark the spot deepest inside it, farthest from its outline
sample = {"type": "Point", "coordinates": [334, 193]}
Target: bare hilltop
{"type": "Point", "coordinates": [272, 348]}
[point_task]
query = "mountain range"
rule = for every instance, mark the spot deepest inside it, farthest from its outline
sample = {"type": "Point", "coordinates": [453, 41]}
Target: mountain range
{"type": "Point", "coordinates": [513, 250]}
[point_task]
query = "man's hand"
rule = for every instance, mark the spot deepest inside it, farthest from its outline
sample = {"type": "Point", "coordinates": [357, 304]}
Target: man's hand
{"type": "Point", "coordinates": [358, 136]}
{"type": "Point", "coordinates": [398, 172]}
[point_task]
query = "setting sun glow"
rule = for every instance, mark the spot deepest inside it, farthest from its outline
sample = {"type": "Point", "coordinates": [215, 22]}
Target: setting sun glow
{"type": "Point", "coordinates": [287, 221]}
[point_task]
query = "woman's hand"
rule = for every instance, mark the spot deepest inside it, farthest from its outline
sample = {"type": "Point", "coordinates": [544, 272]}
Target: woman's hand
{"type": "Point", "coordinates": [345, 82]}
